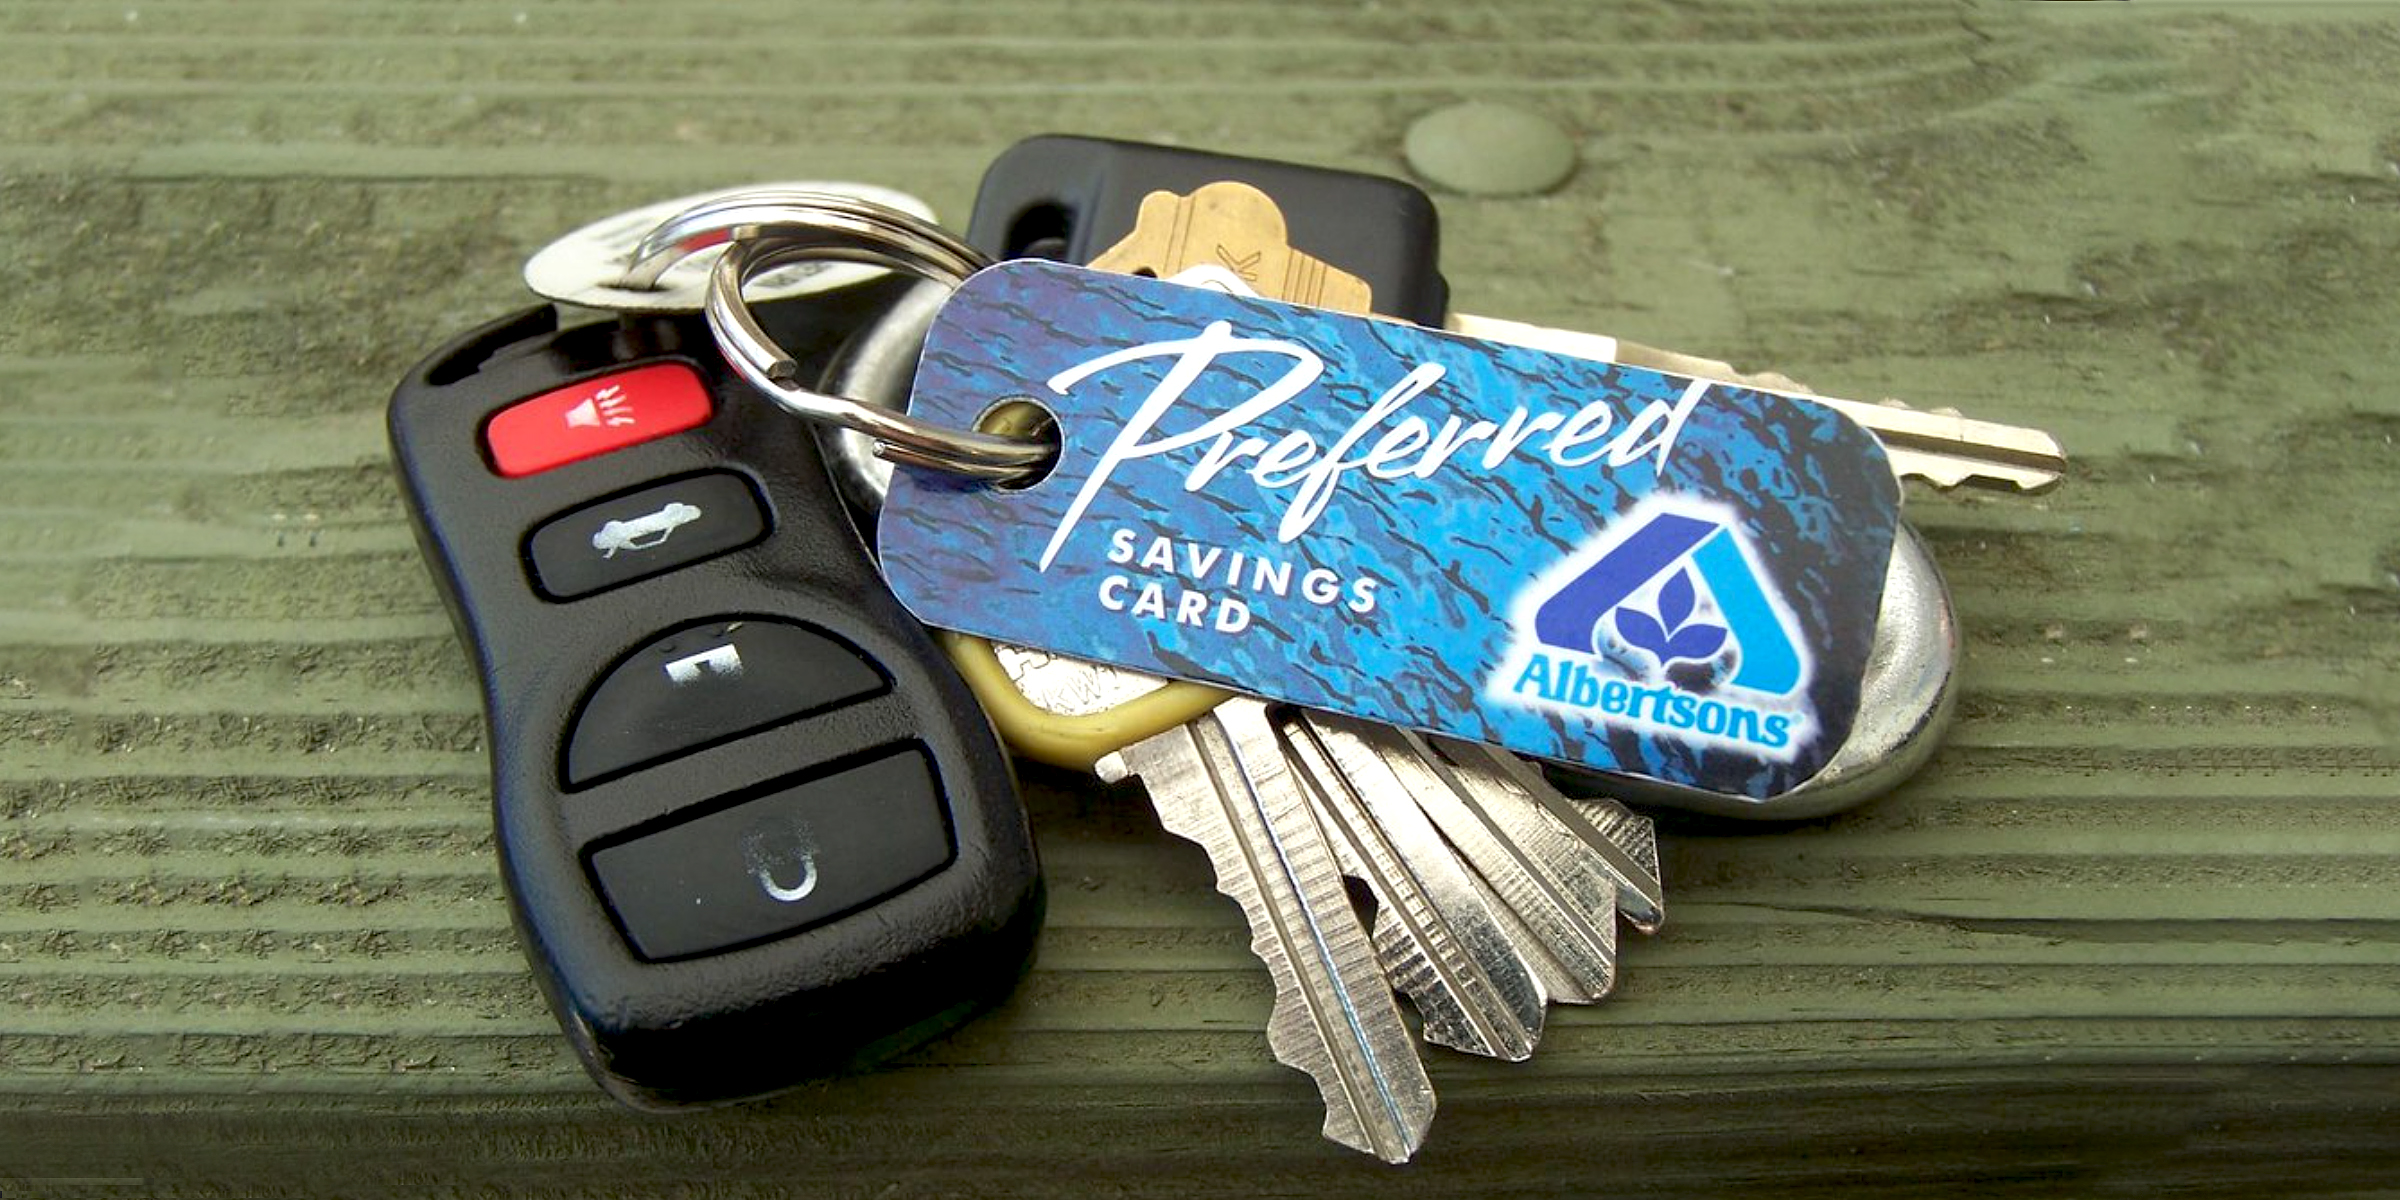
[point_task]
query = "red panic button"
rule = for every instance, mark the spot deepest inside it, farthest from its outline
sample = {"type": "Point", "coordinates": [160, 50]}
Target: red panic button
{"type": "Point", "coordinates": [596, 416]}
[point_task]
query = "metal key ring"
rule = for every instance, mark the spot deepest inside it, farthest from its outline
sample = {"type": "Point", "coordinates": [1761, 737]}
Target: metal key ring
{"type": "Point", "coordinates": [795, 212]}
{"type": "Point", "coordinates": [774, 229]}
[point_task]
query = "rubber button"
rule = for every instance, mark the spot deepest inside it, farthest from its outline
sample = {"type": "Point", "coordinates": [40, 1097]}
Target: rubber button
{"type": "Point", "coordinates": [595, 416]}
{"type": "Point", "coordinates": [779, 863]}
{"type": "Point", "coordinates": [635, 536]}
{"type": "Point", "coordinates": [705, 684]}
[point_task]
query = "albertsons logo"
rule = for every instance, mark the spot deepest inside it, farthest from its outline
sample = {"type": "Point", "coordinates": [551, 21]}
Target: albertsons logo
{"type": "Point", "coordinates": [1668, 624]}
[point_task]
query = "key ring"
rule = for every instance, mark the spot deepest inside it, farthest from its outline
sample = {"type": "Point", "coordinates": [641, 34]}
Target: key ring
{"type": "Point", "coordinates": [877, 369]}
{"type": "Point", "coordinates": [770, 229]}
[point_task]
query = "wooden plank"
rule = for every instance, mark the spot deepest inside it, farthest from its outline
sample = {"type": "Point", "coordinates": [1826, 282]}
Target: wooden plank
{"type": "Point", "coordinates": [2137, 924]}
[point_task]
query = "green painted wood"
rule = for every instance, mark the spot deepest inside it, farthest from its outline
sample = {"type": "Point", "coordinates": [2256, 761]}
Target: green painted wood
{"type": "Point", "coordinates": [2136, 927]}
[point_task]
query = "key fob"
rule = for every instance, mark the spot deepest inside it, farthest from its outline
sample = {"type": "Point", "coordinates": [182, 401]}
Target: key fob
{"type": "Point", "coordinates": [753, 827]}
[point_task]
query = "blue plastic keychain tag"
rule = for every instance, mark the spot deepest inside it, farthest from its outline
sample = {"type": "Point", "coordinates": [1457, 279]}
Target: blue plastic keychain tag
{"type": "Point", "coordinates": [1581, 561]}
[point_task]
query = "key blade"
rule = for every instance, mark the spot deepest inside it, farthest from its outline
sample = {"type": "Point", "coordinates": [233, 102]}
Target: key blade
{"type": "Point", "coordinates": [1438, 942]}
{"type": "Point", "coordinates": [1946, 470]}
{"type": "Point", "coordinates": [1942, 448]}
{"type": "Point", "coordinates": [1626, 830]}
{"type": "Point", "coordinates": [1221, 782]}
{"type": "Point", "coordinates": [1546, 876]}
{"type": "Point", "coordinates": [1597, 346]}
{"type": "Point", "coordinates": [1946, 449]}
{"type": "Point", "coordinates": [1557, 982]}
{"type": "Point", "coordinates": [1625, 842]}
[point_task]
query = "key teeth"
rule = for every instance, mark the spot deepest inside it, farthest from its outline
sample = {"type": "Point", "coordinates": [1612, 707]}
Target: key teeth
{"type": "Point", "coordinates": [1292, 1043]}
{"type": "Point", "coordinates": [1219, 783]}
{"type": "Point", "coordinates": [1436, 942]}
{"type": "Point", "coordinates": [1510, 1038]}
{"type": "Point", "coordinates": [1287, 1039]}
{"type": "Point", "coordinates": [1951, 478]}
{"type": "Point", "coordinates": [1637, 835]}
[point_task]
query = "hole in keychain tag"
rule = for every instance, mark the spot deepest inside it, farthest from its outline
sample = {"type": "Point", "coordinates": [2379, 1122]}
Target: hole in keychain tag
{"type": "Point", "coordinates": [1583, 561]}
{"type": "Point", "coordinates": [1060, 739]}
{"type": "Point", "coordinates": [1080, 740]}
{"type": "Point", "coordinates": [1022, 417]}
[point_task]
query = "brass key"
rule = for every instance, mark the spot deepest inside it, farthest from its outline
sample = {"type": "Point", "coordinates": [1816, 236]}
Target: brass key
{"type": "Point", "coordinates": [1238, 229]}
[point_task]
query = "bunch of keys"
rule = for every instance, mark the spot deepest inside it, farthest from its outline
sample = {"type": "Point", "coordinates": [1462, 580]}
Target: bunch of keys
{"type": "Point", "coordinates": [1425, 551]}
{"type": "Point", "coordinates": [738, 793]}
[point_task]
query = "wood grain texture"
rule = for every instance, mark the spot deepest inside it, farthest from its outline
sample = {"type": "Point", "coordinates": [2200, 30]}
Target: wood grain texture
{"type": "Point", "coordinates": [2136, 927]}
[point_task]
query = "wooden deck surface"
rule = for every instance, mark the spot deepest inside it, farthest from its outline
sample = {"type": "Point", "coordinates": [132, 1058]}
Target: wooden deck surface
{"type": "Point", "coordinates": [2136, 928]}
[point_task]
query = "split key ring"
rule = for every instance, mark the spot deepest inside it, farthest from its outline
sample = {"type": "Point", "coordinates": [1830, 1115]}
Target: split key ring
{"type": "Point", "coordinates": [768, 229]}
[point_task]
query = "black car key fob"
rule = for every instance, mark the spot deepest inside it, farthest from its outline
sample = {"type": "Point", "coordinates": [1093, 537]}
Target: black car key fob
{"type": "Point", "coordinates": [753, 827]}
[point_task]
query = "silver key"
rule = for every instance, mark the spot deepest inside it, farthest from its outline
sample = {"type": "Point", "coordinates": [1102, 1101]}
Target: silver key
{"type": "Point", "coordinates": [1506, 792]}
{"type": "Point", "coordinates": [1941, 448]}
{"type": "Point", "coordinates": [1439, 936]}
{"type": "Point", "coordinates": [1624, 842]}
{"type": "Point", "coordinates": [1222, 782]}
{"type": "Point", "coordinates": [1566, 892]}
{"type": "Point", "coordinates": [1439, 941]}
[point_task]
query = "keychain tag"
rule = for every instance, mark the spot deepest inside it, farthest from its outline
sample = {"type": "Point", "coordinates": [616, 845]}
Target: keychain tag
{"type": "Point", "coordinates": [1600, 564]}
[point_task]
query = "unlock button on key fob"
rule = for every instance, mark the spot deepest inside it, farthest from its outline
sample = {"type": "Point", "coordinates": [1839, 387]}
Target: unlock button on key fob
{"type": "Point", "coordinates": [780, 862]}
{"type": "Point", "coordinates": [707, 683]}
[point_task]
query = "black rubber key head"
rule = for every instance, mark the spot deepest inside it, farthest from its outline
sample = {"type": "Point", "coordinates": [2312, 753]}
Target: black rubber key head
{"type": "Point", "coordinates": [1071, 198]}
